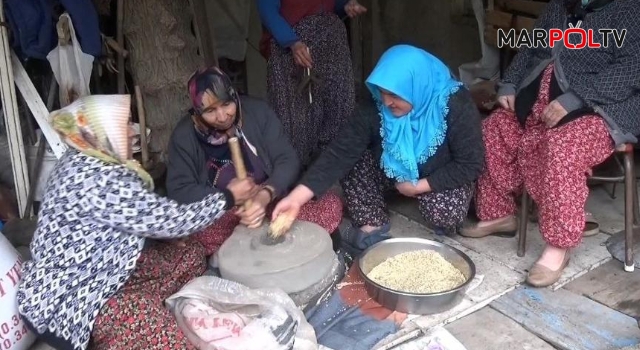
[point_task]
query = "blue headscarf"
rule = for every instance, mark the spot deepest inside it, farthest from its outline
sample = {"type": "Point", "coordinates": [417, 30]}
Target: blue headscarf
{"type": "Point", "coordinates": [424, 81]}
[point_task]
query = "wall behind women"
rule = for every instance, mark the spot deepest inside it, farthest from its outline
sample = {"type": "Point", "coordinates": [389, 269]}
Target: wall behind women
{"type": "Point", "coordinates": [434, 25]}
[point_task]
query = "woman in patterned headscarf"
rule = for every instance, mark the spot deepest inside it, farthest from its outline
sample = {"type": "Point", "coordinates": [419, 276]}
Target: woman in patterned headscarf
{"type": "Point", "coordinates": [200, 159]}
{"type": "Point", "coordinates": [97, 275]}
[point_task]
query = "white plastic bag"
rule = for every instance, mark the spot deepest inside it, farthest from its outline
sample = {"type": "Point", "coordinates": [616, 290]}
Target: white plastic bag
{"type": "Point", "coordinates": [217, 314]}
{"type": "Point", "coordinates": [14, 335]}
{"type": "Point", "coordinates": [71, 67]}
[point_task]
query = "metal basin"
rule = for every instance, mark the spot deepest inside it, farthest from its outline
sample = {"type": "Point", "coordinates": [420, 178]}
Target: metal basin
{"type": "Point", "coordinates": [412, 303]}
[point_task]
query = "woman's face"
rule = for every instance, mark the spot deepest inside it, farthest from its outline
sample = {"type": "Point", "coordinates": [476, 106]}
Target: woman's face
{"type": "Point", "coordinates": [396, 105]}
{"type": "Point", "coordinates": [217, 113]}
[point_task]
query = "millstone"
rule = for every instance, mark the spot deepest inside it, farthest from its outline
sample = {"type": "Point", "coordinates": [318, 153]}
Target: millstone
{"type": "Point", "coordinates": [292, 263]}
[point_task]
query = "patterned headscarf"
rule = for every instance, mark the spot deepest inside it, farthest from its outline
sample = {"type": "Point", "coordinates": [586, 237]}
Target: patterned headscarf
{"type": "Point", "coordinates": [216, 82]}
{"type": "Point", "coordinates": [98, 126]}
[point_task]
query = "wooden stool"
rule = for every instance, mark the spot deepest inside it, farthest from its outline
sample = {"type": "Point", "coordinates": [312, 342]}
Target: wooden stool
{"type": "Point", "coordinates": [631, 213]}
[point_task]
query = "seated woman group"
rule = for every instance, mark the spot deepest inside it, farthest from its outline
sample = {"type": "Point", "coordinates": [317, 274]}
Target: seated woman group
{"type": "Point", "coordinates": [102, 265]}
{"type": "Point", "coordinates": [96, 279]}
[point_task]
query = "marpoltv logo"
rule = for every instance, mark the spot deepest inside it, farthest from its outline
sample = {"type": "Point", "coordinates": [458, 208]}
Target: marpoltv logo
{"type": "Point", "coordinates": [573, 38]}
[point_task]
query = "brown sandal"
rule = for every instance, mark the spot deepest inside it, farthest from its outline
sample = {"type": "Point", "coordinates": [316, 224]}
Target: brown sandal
{"type": "Point", "coordinates": [505, 227]}
{"type": "Point", "coordinates": [540, 276]}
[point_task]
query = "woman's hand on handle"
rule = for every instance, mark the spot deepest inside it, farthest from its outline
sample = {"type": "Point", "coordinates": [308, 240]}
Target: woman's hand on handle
{"type": "Point", "coordinates": [301, 54]}
{"type": "Point", "coordinates": [291, 204]}
{"type": "Point", "coordinates": [253, 216]}
{"type": "Point", "coordinates": [242, 190]}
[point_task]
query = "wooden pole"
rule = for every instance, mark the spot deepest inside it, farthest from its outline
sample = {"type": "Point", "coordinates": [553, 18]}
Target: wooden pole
{"type": "Point", "coordinates": [366, 23]}
{"type": "Point", "coordinates": [42, 146]}
{"type": "Point", "coordinates": [12, 119]}
{"type": "Point", "coordinates": [204, 32]}
{"type": "Point", "coordinates": [36, 106]}
{"type": "Point", "coordinates": [142, 119]}
{"type": "Point", "coordinates": [120, 39]}
{"type": "Point", "coordinates": [238, 163]}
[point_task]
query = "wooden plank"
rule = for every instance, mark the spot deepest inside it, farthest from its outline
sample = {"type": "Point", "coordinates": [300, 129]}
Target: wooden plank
{"type": "Point", "coordinates": [499, 19]}
{"type": "Point", "coordinates": [456, 8]}
{"type": "Point", "coordinates": [567, 320]}
{"type": "Point", "coordinates": [612, 286]}
{"type": "Point", "coordinates": [366, 21]}
{"type": "Point", "coordinates": [120, 39]}
{"type": "Point", "coordinates": [489, 329]}
{"type": "Point", "coordinates": [355, 33]}
{"type": "Point", "coordinates": [503, 20]}
{"type": "Point", "coordinates": [12, 119]}
{"type": "Point", "coordinates": [533, 8]}
{"type": "Point", "coordinates": [37, 107]}
{"type": "Point", "coordinates": [525, 23]}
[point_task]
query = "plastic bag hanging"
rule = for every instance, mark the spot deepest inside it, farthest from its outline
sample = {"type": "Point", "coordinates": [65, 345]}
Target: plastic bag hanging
{"type": "Point", "coordinates": [71, 67]}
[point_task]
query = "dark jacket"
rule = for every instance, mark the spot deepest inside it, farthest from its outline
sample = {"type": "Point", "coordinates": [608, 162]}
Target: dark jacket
{"type": "Point", "coordinates": [458, 161]}
{"type": "Point", "coordinates": [605, 79]}
{"type": "Point", "coordinates": [187, 174]}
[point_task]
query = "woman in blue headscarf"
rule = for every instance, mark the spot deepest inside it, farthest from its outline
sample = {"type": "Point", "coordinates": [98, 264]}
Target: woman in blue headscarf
{"type": "Point", "coordinates": [420, 134]}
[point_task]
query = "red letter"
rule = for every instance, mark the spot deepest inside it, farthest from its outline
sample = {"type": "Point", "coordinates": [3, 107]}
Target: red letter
{"type": "Point", "coordinates": [583, 40]}
{"type": "Point", "coordinates": [555, 35]}
{"type": "Point", "coordinates": [592, 44]}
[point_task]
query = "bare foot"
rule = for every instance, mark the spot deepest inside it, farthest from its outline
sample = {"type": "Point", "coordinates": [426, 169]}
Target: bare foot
{"type": "Point", "coordinates": [552, 257]}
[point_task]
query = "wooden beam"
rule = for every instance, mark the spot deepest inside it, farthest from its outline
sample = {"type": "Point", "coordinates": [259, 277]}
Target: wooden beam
{"type": "Point", "coordinates": [37, 107]}
{"type": "Point", "coordinates": [12, 119]}
{"type": "Point", "coordinates": [204, 32]}
{"type": "Point", "coordinates": [533, 8]}
{"type": "Point", "coordinates": [366, 21]}
{"type": "Point", "coordinates": [120, 39]}
{"type": "Point", "coordinates": [355, 33]}
{"type": "Point", "coordinates": [503, 20]}
{"type": "Point", "coordinates": [456, 8]}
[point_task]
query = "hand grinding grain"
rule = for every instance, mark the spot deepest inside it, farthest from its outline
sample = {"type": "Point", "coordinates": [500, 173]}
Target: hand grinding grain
{"type": "Point", "coordinates": [280, 225]}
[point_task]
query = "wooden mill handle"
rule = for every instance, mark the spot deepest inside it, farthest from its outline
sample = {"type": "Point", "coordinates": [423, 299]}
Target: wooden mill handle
{"type": "Point", "coordinates": [238, 163]}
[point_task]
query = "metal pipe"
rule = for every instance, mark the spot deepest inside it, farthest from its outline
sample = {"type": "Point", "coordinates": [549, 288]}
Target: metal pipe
{"type": "Point", "coordinates": [522, 225]}
{"type": "Point", "coordinates": [629, 183]}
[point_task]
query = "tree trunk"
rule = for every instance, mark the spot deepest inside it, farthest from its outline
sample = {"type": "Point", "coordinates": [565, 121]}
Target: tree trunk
{"type": "Point", "coordinates": [163, 54]}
